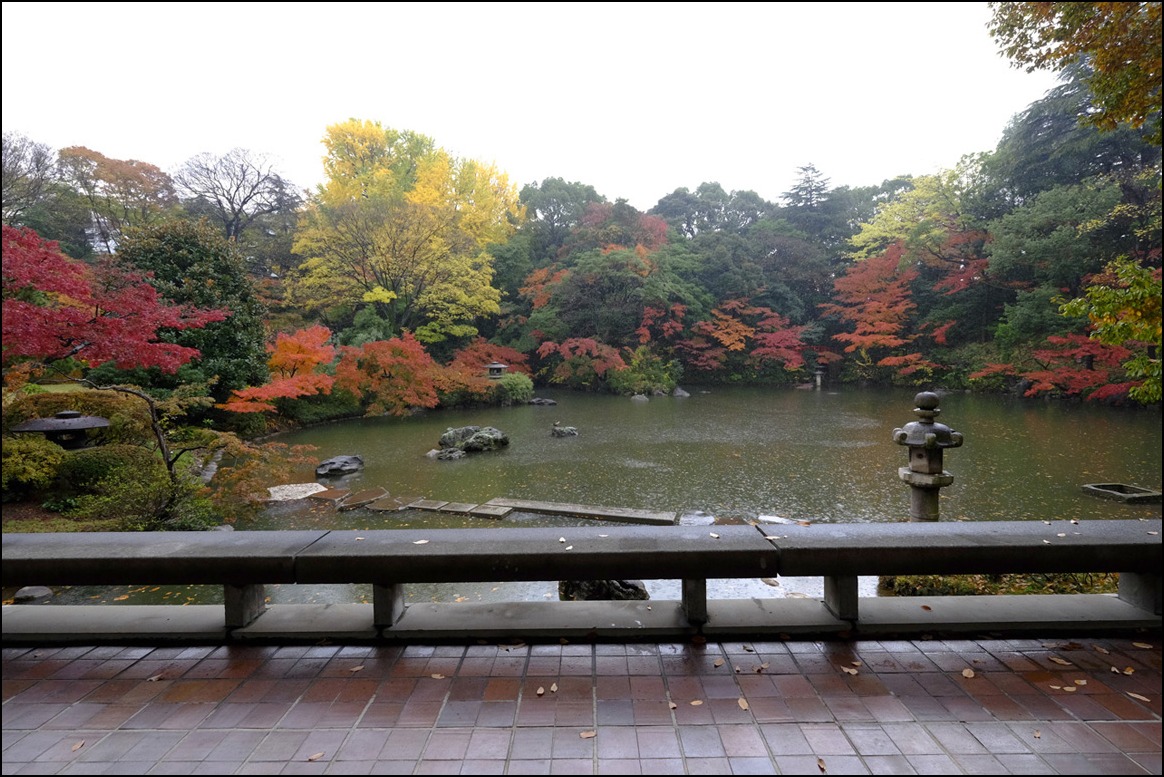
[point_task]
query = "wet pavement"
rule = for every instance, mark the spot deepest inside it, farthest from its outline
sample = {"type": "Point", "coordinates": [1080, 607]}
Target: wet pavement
{"type": "Point", "coordinates": [913, 706]}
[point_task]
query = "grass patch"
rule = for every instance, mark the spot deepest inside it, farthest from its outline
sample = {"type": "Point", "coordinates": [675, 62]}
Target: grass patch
{"type": "Point", "coordinates": [59, 523]}
{"type": "Point", "coordinates": [975, 585]}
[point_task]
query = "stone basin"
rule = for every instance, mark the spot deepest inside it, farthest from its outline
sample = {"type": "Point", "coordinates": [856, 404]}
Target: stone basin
{"type": "Point", "coordinates": [1122, 492]}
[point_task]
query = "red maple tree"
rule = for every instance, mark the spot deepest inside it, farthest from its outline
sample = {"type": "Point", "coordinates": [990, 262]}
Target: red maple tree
{"type": "Point", "coordinates": [55, 308]}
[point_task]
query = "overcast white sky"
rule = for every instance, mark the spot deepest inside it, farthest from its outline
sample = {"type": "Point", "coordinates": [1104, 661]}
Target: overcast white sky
{"type": "Point", "coordinates": [635, 99]}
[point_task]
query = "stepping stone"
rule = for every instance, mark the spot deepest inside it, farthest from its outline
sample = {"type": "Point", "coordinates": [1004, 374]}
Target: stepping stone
{"type": "Point", "coordinates": [491, 511]}
{"type": "Point", "coordinates": [361, 498]}
{"type": "Point", "coordinates": [391, 504]}
{"type": "Point", "coordinates": [427, 504]}
{"type": "Point", "coordinates": [331, 494]}
{"type": "Point", "coordinates": [463, 508]}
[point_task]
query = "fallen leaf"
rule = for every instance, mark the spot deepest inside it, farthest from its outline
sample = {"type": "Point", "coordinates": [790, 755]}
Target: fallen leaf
{"type": "Point", "coordinates": [1081, 682]}
{"type": "Point", "coordinates": [420, 542]}
{"type": "Point", "coordinates": [1062, 661]}
{"type": "Point", "coordinates": [561, 539]}
{"type": "Point", "coordinates": [714, 536]}
{"type": "Point", "coordinates": [359, 538]}
{"type": "Point", "coordinates": [78, 745]}
{"type": "Point", "coordinates": [926, 607]}
{"type": "Point", "coordinates": [356, 668]}
{"type": "Point", "coordinates": [554, 688]}
{"type": "Point", "coordinates": [772, 536]}
{"type": "Point", "coordinates": [603, 535]}
{"type": "Point", "coordinates": [797, 595]}
{"type": "Point", "coordinates": [748, 649]}
{"type": "Point", "coordinates": [315, 757]}
{"type": "Point", "coordinates": [820, 764]}
{"type": "Point", "coordinates": [673, 705]}
{"type": "Point", "coordinates": [737, 668]}
{"type": "Point", "coordinates": [803, 523]}
{"type": "Point", "coordinates": [1142, 645]}
{"type": "Point", "coordinates": [696, 703]}
{"type": "Point", "coordinates": [121, 598]}
{"type": "Point", "coordinates": [1138, 696]}
{"type": "Point", "coordinates": [1038, 734]}
{"type": "Point", "coordinates": [770, 581]}
{"type": "Point", "coordinates": [564, 641]}
{"type": "Point", "coordinates": [855, 663]}
{"type": "Point", "coordinates": [718, 662]}
{"type": "Point", "coordinates": [541, 691]}
{"type": "Point", "coordinates": [1061, 534]}
{"type": "Point", "coordinates": [761, 667]}
{"type": "Point", "coordinates": [967, 672]}
{"type": "Point", "coordinates": [1056, 687]}
{"type": "Point", "coordinates": [1099, 649]}
{"type": "Point", "coordinates": [1129, 670]}
{"type": "Point", "coordinates": [437, 676]}
{"type": "Point", "coordinates": [588, 734]}
{"type": "Point", "coordinates": [569, 547]}
{"type": "Point", "coordinates": [742, 702]}
{"type": "Point", "coordinates": [157, 677]}
{"type": "Point", "coordinates": [1070, 688]}
{"type": "Point", "coordinates": [848, 670]}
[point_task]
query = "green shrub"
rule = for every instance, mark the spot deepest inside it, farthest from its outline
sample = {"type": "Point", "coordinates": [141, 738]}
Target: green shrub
{"type": "Point", "coordinates": [972, 585]}
{"type": "Point", "coordinates": [127, 482]}
{"type": "Point", "coordinates": [646, 373]}
{"type": "Point", "coordinates": [320, 408]}
{"type": "Point", "coordinates": [30, 465]}
{"type": "Point", "coordinates": [514, 388]}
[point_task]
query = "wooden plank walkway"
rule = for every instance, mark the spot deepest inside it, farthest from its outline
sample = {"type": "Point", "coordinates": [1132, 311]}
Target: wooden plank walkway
{"type": "Point", "coordinates": [377, 499]}
{"type": "Point", "coordinates": [587, 511]}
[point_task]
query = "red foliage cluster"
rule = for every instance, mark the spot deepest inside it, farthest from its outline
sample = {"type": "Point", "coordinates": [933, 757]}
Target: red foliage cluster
{"type": "Point", "coordinates": [55, 308]}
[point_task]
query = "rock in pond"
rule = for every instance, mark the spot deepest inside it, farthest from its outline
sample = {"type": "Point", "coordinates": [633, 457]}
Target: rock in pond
{"type": "Point", "coordinates": [339, 465]}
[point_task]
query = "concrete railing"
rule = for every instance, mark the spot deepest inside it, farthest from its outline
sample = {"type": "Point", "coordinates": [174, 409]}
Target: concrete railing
{"type": "Point", "coordinates": [244, 562]}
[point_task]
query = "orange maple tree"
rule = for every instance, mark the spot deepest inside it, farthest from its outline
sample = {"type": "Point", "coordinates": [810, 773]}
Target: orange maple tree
{"type": "Point", "coordinates": [296, 362]}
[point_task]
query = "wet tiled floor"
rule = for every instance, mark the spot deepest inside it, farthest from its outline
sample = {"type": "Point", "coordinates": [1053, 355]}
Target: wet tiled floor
{"type": "Point", "coordinates": [971, 706]}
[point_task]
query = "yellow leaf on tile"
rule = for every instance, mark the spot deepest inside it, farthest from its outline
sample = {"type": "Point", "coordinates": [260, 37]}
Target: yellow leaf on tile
{"type": "Point", "coordinates": [967, 672]}
{"type": "Point", "coordinates": [78, 745]}
{"type": "Point", "coordinates": [696, 703]}
{"type": "Point", "coordinates": [588, 734]}
{"type": "Point", "coordinates": [1138, 696]}
{"type": "Point", "coordinates": [742, 702]}
{"type": "Point", "coordinates": [315, 756]}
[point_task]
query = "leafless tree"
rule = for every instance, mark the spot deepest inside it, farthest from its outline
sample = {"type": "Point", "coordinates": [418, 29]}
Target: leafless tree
{"type": "Point", "coordinates": [29, 168]}
{"type": "Point", "coordinates": [236, 188]}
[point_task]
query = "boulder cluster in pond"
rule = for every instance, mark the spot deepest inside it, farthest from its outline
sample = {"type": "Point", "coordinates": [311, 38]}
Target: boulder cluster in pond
{"type": "Point", "coordinates": [557, 430]}
{"type": "Point", "coordinates": [457, 443]}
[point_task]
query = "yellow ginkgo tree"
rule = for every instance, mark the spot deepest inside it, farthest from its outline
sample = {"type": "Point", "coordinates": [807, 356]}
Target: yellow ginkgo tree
{"type": "Point", "coordinates": [402, 225]}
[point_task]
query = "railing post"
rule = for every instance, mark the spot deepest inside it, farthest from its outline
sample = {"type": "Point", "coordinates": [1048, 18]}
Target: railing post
{"type": "Point", "coordinates": [695, 601]}
{"type": "Point", "coordinates": [243, 603]}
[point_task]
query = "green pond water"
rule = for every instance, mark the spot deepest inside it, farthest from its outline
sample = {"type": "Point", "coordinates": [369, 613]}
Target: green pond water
{"type": "Point", "coordinates": [722, 455]}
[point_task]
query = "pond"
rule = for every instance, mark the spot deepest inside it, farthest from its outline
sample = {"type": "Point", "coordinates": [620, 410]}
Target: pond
{"type": "Point", "coordinates": [724, 455]}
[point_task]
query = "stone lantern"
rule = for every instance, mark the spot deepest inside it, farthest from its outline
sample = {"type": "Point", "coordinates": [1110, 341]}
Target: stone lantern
{"type": "Point", "coordinates": [68, 428]}
{"type": "Point", "coordinates": [496, 370]}
{"type": "Point", "coordinates": [926, 439]}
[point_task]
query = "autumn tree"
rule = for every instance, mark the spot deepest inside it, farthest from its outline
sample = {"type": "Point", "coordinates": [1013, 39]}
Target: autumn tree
{"type": "Point", "coordinates": [744, 340]}
{"type": "Point", "coordinates": [873, 299]}
{"type": "Point", "coordinates": [296, 364]}
{"type": "Point", "coordinates": [1123, 305]}
{"type": "Point", "coordinates": [57, 308]}
{"type": "Point", "coordinates": [578, 362]}
{"type": "Point", "coordinates": [121, 193]}
{"type": "Point", "coordinates": [391, 376]}
{"type": "Point", "coordinates": [1119, 41]}
{"type": "Point", "coordinates": [404, 226]}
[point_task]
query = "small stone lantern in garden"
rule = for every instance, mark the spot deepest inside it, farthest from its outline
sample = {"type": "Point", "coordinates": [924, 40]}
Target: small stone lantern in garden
{"type": "Point", "coordinates": [68, 428]}
{"type": "Point", "coordinates": [496, 370]}
{"type": "Point", "coordinates": [926, 440]}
